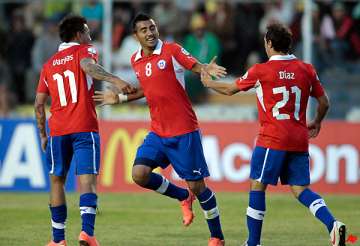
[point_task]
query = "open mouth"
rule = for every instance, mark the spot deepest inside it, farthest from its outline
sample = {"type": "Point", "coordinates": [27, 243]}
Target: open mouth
{"type": "Point", "coordinates": [152, 39]}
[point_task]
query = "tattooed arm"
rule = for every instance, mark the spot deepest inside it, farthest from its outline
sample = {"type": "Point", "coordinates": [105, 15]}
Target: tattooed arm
{"type": "Point", "coordinates": [96, 71]}
{"type": "Point", "coordinates": [39, 107]}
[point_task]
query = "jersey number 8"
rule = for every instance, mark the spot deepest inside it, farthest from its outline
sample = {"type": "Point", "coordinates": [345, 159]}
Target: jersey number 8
{"type": "Point", "coordinates": [148, 69]}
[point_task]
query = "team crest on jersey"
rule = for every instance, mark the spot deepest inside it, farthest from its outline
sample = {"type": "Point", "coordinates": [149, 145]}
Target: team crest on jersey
{"type": "Point", "coordinates": [92, 50]}
{"type": "Point", "coordinates": [161, 64]}
{"type": "Point", "coordinates": [185, 52]}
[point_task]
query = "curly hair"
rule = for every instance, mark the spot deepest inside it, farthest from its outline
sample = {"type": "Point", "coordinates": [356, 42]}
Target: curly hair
{"type": "Point", "coordinates": [280, 37]}
{"type": "Point", "coordinates": [70, 25]}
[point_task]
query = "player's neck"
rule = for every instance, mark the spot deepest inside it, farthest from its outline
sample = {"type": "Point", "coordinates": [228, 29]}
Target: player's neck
{"type": "Point", "coordinates": [275, 53]}
{"type": "Point", "coordinates": [148, 50]}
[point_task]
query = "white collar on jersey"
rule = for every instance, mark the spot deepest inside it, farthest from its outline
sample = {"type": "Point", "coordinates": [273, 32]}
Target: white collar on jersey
{"type": "Point", "coordinates": [63, 46]}
{"type": "Point", "coordinates": [157, 50]}
{"type": "Point", "coordinates": [282, 57]}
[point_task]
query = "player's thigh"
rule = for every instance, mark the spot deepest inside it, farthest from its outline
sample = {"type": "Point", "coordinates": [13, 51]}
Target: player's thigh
{"type": "Point", "coordinates": [187, 156]}
{"type": "Point", "coordinates": [266, 165]}
{"type": "Point", "coordinates": [86, 147]}
{"type": "Point", "coordinates": [297, 169]}
{"type": "Point", "coordinates": [150, 153]}
{"type": "Point", "coordinates": [59, 154]}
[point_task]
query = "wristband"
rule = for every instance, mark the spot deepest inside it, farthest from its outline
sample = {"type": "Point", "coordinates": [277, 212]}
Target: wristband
{"type": "Point", "coordinates": [122, 98]}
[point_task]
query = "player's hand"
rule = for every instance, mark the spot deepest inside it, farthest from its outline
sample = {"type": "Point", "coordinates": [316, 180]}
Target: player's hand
{"type": "Point", "coordinates": [44, 141]}
{"type": "Point", "coordinates": [205, 78]}
{"type": "Point", "coordinates": [124, 87]}
{"type": "Point", "coordinates": [215, 70]}
{"type": "Point", "coordinates": [106, 97]}
{"type": "Point", "coordinates": [128, 89]}
{"type": "Point", "coordinates": [313, 128]}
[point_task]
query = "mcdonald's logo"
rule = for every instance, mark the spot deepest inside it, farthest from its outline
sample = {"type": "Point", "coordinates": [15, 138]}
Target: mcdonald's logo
{"type": "Point", "coordinates": [129, 146]}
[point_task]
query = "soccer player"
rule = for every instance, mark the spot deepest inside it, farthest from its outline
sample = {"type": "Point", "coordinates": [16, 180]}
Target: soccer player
{"type": "Point", "coordinates": [283, 86]}
{"type": "Point", "coordinates": [175, 137]}
{"type": "Point", "coordinates": [67, 77]}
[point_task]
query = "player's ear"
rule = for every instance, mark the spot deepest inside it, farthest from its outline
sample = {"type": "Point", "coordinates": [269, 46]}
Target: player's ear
{"type": "Point", "coordinates": [78, 36]}
{"type": "Point", "coordinates": [269, 43]}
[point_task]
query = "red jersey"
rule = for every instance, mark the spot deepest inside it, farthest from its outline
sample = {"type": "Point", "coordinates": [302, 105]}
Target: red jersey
{"type": "Point", "coordinates": [283, 87]}
{"type": "Point", "coordinates": [161, 76]}
{"type": "Point", "coordinates": [72, 107]}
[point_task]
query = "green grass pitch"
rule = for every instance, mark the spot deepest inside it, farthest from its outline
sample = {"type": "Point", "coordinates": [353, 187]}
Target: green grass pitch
{"type": "Point", "coordinates": [146, 219]}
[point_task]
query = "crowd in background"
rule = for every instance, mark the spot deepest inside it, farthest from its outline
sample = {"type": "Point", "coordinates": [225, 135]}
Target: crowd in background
{"type": "Point", "coordinates": [232, 31]}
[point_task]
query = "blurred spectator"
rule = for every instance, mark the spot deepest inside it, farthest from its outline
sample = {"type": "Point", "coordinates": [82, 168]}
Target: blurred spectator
{"type": "Point", "coordinates": [120, 18]}
{"type": "Point", "coordinates": [355, 38]}
{"type": "Point", "coordinates": [167, 17]}
{"type": "Point", "coordinates": [52, 8]}
{"type": "Point", "coordinates": [247, 36]}
{"type": "Point", "coordinates": [203, 45]}
{"type": "Point", "coordinates": [4, 84]}
{"type": "Point", "coordinates": [93, 12]}
{"type": "Point", "coordinates": [342, 25]}
{"type": "Point", "coordinates": [320, 49]}
{"type": "Point", "coordinates": [46, 44]}
{"type": "Point", "coordinates": [121, 59]}
{"type": "Point", "coordinates": [221, 21]}
{"type": "Point", "coordinates": [277, 11]}
{"type": "Point", "coordinates": [20, 42]}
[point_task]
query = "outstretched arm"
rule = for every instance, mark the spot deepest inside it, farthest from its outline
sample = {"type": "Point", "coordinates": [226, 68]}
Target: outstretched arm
{"type": "Point", "coordinates": [96, 71]}
{"type": "Point", "coordinates": [39, 107]}
{"type": "Point", "coordinates": [322, 108]}
{"type": "Point", "coordinates": [212, 68]}
{"type": "Point", "coordinates": [220, 87]}
{"type": "Point", "coordinates": [110, 97]}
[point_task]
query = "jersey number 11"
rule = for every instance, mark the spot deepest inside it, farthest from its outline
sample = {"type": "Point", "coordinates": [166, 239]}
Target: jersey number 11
{"type": "Point", "coordinates": [60, 84]}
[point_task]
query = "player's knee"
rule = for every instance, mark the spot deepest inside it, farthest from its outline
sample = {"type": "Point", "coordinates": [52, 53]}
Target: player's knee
{"type": "Point", "coordinates": [87, 183]}
{"type": "Point", "coordinates": [297, 190]}
{"type": "Point", "coordinates": [196, 187]}
{"type": "Point", "coordinates": [57, 180]}
{"type": "Point", "coordinates": [140, 176]}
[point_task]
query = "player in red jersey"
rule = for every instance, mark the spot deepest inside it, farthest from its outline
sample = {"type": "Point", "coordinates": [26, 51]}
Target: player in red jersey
{"type": "Point", "coordinates": [283, 87]}
{"type": "Point", "coordinates": [174, 136]}
{"type": "Point", "coordinates": [67, 77]}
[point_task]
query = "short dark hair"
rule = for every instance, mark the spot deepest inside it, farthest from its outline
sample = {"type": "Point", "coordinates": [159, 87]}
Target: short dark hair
{"type": "Point", "coordinates": [280, 37]}
{"type": "Point", "coordinates": [139, 17]}
{"type": "Point", "coordinates": [70, 25]}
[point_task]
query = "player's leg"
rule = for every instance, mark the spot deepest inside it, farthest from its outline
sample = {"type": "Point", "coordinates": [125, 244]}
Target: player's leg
{"type": "Point", "coordinates": [58, 156]}
{"type": "Point", "coordinates": [299, 178]}
{"type": "Point", "coordinates": [208, 203]}
{"type": "Point", "coordinates": [144, 176]}
{"type": "Point", "coordinates": [87, 159]}
{"type": "Point", "coordinates": [186, 155]}
{"type": "Point", "coordinates": [150, 156]}
{"type": "Point", "coordinates": [265, 169]}
{"type": "Point", "coordinates": [255, 212]}
{"type": "Point", "coordinates": [88, 205]}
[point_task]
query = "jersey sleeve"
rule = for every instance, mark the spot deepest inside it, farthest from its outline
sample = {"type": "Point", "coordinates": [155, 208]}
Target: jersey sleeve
{"type": "Point", "coordinates": [248, 80]}
{"type": "Point", "coordinates": [317, 89]}
{"type": "Point", "coordinates": [88, 51]}
{"type": "Point", "coordinates": [43, 84]}
{"type": "Point", "coordinates": [183, 57]}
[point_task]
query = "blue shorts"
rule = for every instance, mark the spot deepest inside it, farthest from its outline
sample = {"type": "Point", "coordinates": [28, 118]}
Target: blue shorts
{"type": "Point", "coordinates": [81, 148]}
{"type": "Point", "coordinates": [184, 152]}
{"type": "Point", "coordinates": [268, 165]}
